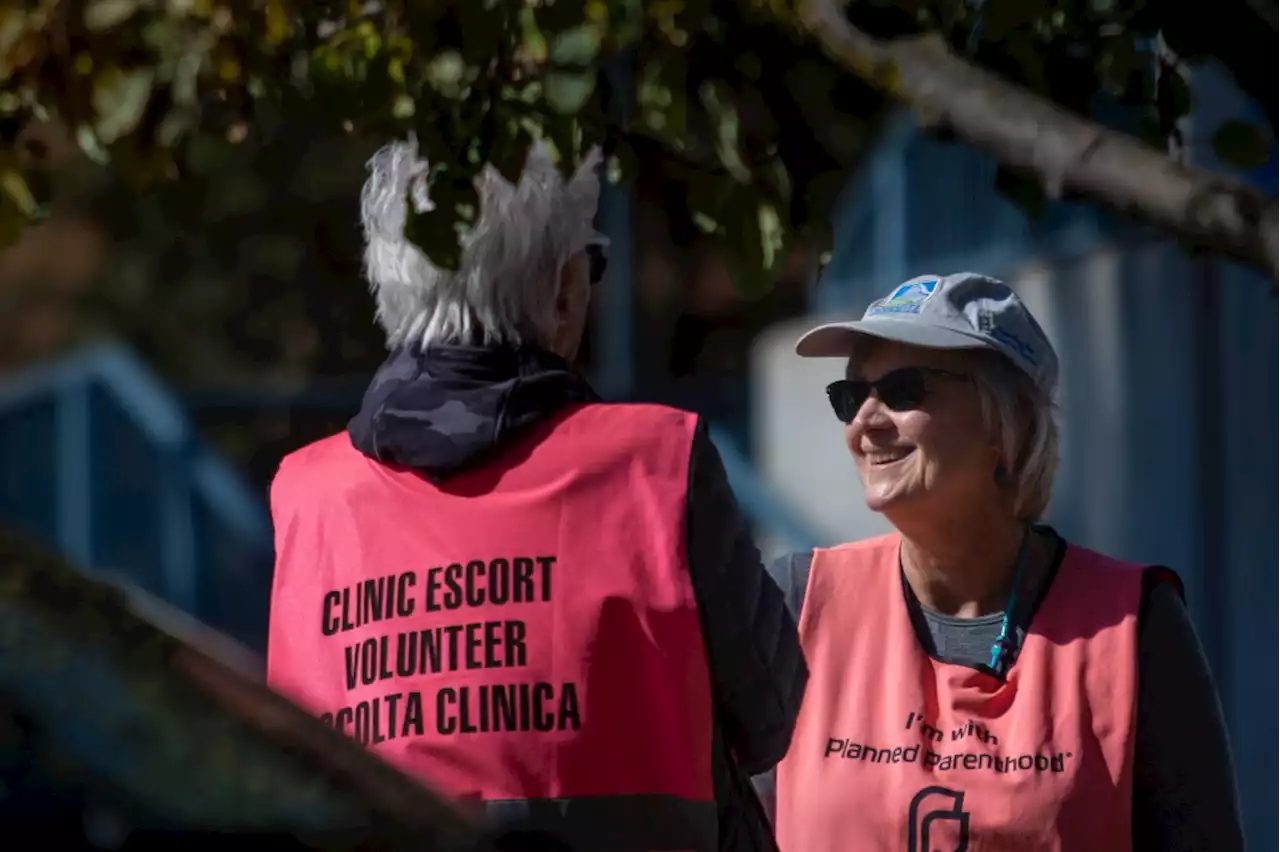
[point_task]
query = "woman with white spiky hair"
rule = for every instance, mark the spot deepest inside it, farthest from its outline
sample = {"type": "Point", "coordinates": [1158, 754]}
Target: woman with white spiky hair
{"type": "Point", "coordinates": [517, 593]}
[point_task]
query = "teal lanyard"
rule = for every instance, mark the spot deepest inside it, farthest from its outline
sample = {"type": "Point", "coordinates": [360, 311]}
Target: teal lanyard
{"type": "Point", "coordinates": [999, 649]}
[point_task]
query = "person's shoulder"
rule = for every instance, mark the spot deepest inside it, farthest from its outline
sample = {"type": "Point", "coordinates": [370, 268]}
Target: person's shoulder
{"type": "Point", "coordinates": [860, 550]}
{"type": "Point", "coordinates": [855, 550]}
{"type": "Point", "coordinates": [638, 417]}
{"type": "Point", "coordinates": [335, 449]}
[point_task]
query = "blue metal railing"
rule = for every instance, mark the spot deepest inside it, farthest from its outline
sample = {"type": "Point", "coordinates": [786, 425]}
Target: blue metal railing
{"type": "Point", "coordinates": [98, 459]}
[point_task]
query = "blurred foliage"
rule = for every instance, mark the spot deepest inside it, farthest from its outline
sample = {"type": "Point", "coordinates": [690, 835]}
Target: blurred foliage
{"type": "Point", "coordinates": [764, 128]}
{"type": "Point", "coordinates": [99, 705]}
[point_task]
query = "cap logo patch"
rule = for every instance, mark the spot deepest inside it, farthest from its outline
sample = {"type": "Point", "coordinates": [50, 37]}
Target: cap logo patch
{"type": "Point", "coordinates": [905, 299]}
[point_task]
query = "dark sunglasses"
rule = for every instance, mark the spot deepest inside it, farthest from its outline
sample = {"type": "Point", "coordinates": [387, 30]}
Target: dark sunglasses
{"type": "Point", "coordinates": [903, 389]}
{"type": "Point", "coordinates": [597, 262]}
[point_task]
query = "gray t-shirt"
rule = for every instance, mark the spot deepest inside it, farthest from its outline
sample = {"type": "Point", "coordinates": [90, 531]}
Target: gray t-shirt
{"type": "Point", "coordinates": [1184, 788]}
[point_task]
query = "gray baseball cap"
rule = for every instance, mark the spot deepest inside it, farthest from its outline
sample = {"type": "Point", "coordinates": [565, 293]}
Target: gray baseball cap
{"type": "Point", "coordinates": [961, 311]}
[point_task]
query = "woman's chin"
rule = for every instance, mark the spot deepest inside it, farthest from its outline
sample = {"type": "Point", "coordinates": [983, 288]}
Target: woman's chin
{"type": "Point", "coordinates": [884, 500]}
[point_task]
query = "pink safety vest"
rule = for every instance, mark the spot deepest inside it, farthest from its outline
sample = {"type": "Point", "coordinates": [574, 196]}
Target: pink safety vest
{"type": "Point", "coordinates": [525, 635]}
{"type": "Point", "coordinates": [897, 752]}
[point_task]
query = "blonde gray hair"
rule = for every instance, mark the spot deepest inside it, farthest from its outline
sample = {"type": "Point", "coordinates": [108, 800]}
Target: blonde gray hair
{"type": "Point", "coordinates": [504, 290]}
{"type": "Point", "coordinates": [1024, 419]}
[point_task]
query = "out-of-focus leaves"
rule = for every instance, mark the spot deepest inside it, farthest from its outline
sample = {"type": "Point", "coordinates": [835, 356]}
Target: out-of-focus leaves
{"type": "Point", "coordinates": [567, 92]}
{"type": "Point", "coordinates": [120, 98]}
{"type": "Point", "coordinates": [103, 14]}
{"type": "Point", "coordinates": [729, 96]}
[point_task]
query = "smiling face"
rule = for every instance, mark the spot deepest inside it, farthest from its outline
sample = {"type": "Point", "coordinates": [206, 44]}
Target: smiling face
{"type": "Point", "coordinates": [929, 455]}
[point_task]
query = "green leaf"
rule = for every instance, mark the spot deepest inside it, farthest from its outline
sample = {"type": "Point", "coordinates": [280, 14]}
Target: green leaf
{"type": "Point", "coordinates": [578, 46]}
{"type": "Point", "coordinates": [753, 239]}
{"type": "Point", "coordinates": [1242, 144]}
{"type": "Point", "coordinates": [15, 188]}
{"type": "Point", "coordinates": [120, 98]}
{"type": "Point", "coordinates": [104, 14]}
{"type": "Point", "coordinates": [567, 92]}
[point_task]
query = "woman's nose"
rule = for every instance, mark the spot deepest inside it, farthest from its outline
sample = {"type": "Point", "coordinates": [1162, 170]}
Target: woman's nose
{"type": "Point", "coordinates": [871, 414]}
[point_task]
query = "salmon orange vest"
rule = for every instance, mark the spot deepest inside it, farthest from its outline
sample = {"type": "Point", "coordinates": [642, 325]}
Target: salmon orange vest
{"type": "Point", "coordinates": [898, 752]}
{"type": "Point", "coordinates": [525, 634]}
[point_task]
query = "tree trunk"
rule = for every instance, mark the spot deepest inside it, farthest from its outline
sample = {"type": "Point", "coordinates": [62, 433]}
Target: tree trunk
{"type": "Point", "coordinates": [1070, 155]}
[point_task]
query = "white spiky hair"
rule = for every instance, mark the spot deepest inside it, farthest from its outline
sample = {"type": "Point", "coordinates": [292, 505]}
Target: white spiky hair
{"type": "Point", "coordinates": [504, 290]}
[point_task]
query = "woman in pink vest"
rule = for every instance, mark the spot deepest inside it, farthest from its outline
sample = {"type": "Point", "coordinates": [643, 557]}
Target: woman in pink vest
{"type": "Point", "coordinates": [539, 603]}
{"type": "Point", "coordinates": [977, 682]}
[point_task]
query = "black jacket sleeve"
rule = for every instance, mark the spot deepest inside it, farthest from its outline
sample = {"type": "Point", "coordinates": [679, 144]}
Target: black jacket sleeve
{"type": "Point", "coordinates": [758, 673]}
{"type": "Point", "coordinates": [1184, 784]}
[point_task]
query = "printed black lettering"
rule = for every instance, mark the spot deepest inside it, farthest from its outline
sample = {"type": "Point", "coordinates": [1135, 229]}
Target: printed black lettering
{"type": "Point", "coordinates": [492, 644]}
{"type": "Point", "coordinates": [407, 653]}
{"type": "Point", "coordinates": [545, 562]}
{"type": "Point", "coordinates": [453, 586]}
{"type": "Point", "coordinates": [374, 600]}
{"type": "Point", "coordinates": [413, 716]}
{"type": "Point", "coordinates": [329, 623]}
{"type": "Point", "coordinates": [543, 720]}
{"type": "Point", "coordinates": [375, 734]}
{"type": "Point", "coordinates": [351, 655]}
{"type": "Point", "coordinates": [517, 653]}
{"type": "Point", "coordinates": [362, 723]}
{"type": "Point", "coordinates": [430, 604]}
{"type": "Point", "coordinates": [499, 581]}
{"type": "Point", "coordinates": [369, 661]}
{"type": "Point", "coordinates": [384, 658]}
{"type": "Point", "coordinates": [475, 642]}
{"type": "Point", "coordinates": [465, 723]}
{"type": "Point", "coordinates": [523, 707]}
{"type": "Point", "coordinates": [431, 650]}
{"type": "Point", "coordinates": [445, 721]}
{"type": "Point", "coordinates": [404, 598]}
{"type": "Point", "coordinates": [393, 704]}
{"type": "Point", "coordinates": [522, 582]}
{"type": "Point", "coordinates": [476, 645]}
{"type": "Point", "coordinates": [343, 719]}
{"type": "Point", "coordinates": [505, 714]}
{"type": "Point", "coordinates": [452, 631]}
{"type": "Point", "coordinates": [475, 589]}
{"type": "Point", "coordinates": [347, 623]}
{"type": "Point", "coordinates": [834, 746]}
{"type": "Point", "coordinates": [569, 718]}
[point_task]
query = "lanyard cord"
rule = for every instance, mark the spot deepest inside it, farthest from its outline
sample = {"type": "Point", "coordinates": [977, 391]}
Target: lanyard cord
{"type": "Point", "coordinates": [1000, 648]}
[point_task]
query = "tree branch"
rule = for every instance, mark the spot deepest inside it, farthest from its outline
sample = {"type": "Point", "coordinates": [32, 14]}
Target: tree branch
{"type": "Point", "coordinates": [1067, 153]}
